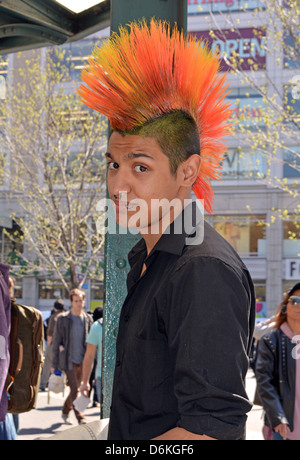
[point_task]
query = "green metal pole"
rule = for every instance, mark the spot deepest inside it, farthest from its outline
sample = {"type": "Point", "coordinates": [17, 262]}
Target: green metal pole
{"type": "Point", "coordinates": [118, 246]}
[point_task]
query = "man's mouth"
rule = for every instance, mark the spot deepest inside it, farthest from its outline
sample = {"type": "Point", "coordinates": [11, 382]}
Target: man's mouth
{"type": "Point", "coordinates": [123, 205]}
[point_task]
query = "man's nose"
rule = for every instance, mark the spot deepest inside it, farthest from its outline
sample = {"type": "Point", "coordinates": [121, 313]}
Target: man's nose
{"type": "Point", "coordinates": [120, 187]}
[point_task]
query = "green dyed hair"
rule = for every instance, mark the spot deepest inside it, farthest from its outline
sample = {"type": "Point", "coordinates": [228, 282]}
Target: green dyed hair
{"type": "Point", "coordinates": [176, 133]}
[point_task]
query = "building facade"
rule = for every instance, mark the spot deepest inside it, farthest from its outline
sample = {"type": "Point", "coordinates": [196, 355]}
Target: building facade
{"type": "Point", "coordinates": [248, 208]}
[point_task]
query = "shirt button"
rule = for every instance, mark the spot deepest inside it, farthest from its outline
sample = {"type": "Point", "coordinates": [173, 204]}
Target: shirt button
{"type": "Point", "coordinates": [126, 319]}
{"type": "Point", "coordinates": [118, 362]}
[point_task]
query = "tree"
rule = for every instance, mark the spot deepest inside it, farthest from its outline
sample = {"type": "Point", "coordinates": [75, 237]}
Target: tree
{"type": "Point", "coordinates": [54, 147]}
{"type": "Point", "coordinates": [274, 129]}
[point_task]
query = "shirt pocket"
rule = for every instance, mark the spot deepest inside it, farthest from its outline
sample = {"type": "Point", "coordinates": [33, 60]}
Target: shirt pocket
{"type": "Point", "coordinates": [146, 374]}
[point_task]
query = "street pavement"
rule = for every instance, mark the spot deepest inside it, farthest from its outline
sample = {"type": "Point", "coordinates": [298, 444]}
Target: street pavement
{"type": "Point", "coordinates": [45, 420]}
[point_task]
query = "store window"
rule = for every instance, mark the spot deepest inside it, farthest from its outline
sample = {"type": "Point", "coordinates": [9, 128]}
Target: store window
{"type": "Point", "coordinates": [291, 58]}
{"type": "Point", "coordinates": [260, 295]}
{"type": "Point", "coordinates": [97, 294]}
{"type": "Point", "coordinates": [11, 244]}
{"type": "Point", "coordinates": [75, 56]}
{"type": "Point", "coordinates": [291, 166]}
{"type": "Point", "coordinates": [291, 237]}
{"type": "Point", "coordinates": [248, 107]}
{"type": "Point", "coordinates": [243, 164]}
{"type": "Point", "coordinates": [222, 6]}
{"type": "Point", "coordinates": [18, 287]}
{"type": "Point", "coordinates": [292, 107]}
{"type": "Point", "coordinates": [246, 234]}
{"type": "Point", "coordinates": [52, 289]}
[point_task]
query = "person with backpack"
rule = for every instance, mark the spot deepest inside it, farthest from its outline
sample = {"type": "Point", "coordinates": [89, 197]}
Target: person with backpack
{"type": "Point", "coordinates": [8, 430]}
{"type": "Point", "coordinates": [4, 337]}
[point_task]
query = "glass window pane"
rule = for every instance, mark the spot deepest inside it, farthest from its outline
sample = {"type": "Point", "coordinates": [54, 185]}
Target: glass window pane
{"type": "Point", "coordinates": [246, 234]}
{"type": "Point", "coordinates": [52, 289]}
{"type": "Point", "coordinates": [291, 238]}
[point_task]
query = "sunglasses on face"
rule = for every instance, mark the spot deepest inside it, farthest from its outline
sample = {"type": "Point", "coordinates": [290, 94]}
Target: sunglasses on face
{"type": "Point", "coordinates": [294, 300]}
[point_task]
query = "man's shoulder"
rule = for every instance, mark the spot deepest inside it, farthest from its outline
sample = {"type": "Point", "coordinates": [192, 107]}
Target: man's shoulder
{"type": "Point", "coordinates": [62, 317]}
{"type": "Point", "coordinates": [213, 246]}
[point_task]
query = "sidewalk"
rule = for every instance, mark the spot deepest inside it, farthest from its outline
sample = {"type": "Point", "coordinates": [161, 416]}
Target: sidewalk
{"type": "Point", "coordinates": [255, 417]}
{"type": "Point", "coordinates": [46, 419]}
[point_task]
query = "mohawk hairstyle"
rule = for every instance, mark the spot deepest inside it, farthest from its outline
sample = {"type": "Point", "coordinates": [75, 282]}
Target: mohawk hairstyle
{"type": "Point", "coordinates": [145, 72]}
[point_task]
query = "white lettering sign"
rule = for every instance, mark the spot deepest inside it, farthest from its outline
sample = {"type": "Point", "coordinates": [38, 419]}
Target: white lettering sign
{"type": "Point", "coordinates": [245, 47]}
{"type": "Point", "coordinates": [292, 269]}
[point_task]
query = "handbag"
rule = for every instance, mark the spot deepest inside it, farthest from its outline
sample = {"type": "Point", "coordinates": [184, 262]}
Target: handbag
{"type": "Point", "coordinates": [57, 382]}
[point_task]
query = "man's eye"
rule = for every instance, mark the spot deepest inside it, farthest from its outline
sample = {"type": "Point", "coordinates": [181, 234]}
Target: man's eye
{"type": "Point", "coordinates": [140, 168]}
{"type": "Point", "coordinates": [112, 165]}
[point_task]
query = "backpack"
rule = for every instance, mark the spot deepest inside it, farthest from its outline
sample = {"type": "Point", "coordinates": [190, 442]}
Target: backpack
{"type": "Point", "coordinates": [26, 358]}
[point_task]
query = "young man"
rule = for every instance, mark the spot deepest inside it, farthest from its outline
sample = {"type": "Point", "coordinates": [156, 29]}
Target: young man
{"type": "Point", "coordinates": [187, 322]}
{"type": "Point", "coordinates": [68, 348]}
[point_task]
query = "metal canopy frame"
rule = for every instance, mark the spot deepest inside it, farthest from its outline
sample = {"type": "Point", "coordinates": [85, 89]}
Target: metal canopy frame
{"type": "Point", "coordinates": [27, 24]}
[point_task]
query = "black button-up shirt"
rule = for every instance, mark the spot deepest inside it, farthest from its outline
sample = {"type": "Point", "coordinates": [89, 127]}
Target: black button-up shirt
{"type": "Point", "coordinates": [184, 337]}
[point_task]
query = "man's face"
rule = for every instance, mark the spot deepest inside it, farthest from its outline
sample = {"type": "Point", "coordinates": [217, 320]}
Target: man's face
{"type": "Point", "coordinates": [77, 304]}
{"type": "Point", "coordinates": [139, 176]}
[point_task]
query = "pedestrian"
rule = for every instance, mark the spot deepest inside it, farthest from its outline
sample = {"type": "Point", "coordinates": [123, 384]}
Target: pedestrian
{"type": "Point", "coordinates": [8, 423]}
{"type": "Point", "coordinates": [58, 309]}
{"type": "Point", "coordinates": [186, 325]}
{"type": "Point", "coordinates": [278, 370]}
{"type": "Point", "coordinates": [94, 347]}
{"type": "Point", "coordinates": [68, 349]}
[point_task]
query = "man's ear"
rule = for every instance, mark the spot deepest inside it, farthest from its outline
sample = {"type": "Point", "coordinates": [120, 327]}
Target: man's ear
{"type": "Point", "coordinates": [190, 170]}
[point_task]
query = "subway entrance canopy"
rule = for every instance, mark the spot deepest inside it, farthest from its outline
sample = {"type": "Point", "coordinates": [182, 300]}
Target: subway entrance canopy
{"type": "Point", "coordinates": [27, 24]}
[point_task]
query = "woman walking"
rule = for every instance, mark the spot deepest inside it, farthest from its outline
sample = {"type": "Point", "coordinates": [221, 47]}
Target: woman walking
{"type": "Point", "coordinates": [278, 370]}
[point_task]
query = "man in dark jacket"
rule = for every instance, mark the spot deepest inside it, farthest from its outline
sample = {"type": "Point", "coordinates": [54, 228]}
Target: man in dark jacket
{"type": "Point", "coordinates": [69, 345]}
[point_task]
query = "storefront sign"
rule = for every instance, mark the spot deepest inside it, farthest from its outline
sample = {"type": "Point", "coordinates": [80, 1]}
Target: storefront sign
{"type": "Point", "coordinates": [247, 45]}
{"type": "Point", "coordinates": [292, 269]}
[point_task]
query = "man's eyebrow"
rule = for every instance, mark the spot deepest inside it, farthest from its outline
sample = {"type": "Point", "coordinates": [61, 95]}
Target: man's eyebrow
{"type": "Point", "coordinates": [132, 156]}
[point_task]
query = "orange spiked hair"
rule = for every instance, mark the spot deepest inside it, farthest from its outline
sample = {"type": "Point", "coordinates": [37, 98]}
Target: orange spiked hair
{"type": "Point", "coordinates": [148, 71]}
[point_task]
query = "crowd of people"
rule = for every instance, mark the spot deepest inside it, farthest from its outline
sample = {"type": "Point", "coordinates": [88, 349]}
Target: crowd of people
{"type": "Point", "coordinates": [79, 355]}
{"type": "Point", "coordinates": [73, 346]}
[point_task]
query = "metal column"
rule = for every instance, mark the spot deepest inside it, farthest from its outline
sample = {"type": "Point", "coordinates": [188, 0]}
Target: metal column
{"type": "Point", "coordinates": [118, 246]}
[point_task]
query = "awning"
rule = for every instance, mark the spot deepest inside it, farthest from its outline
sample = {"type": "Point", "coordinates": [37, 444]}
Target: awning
{"type": "Point", "coordinates": [36, 23]}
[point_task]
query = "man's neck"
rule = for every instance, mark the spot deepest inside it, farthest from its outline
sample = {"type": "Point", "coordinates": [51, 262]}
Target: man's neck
{"type": "Point", "coordinates": [76, 312]}
{"type": "Point", "coordinates": [154, 232]}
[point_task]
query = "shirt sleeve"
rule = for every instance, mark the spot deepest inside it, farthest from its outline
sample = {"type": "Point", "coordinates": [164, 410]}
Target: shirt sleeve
{"type": "Point", "coordinates": [95, 335]}
{"type": "Point", "coordinates": [207, 324]}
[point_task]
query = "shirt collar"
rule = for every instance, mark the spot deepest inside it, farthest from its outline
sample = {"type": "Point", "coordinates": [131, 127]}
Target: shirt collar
{"type": "Point", "coordinates": [173, 240]}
